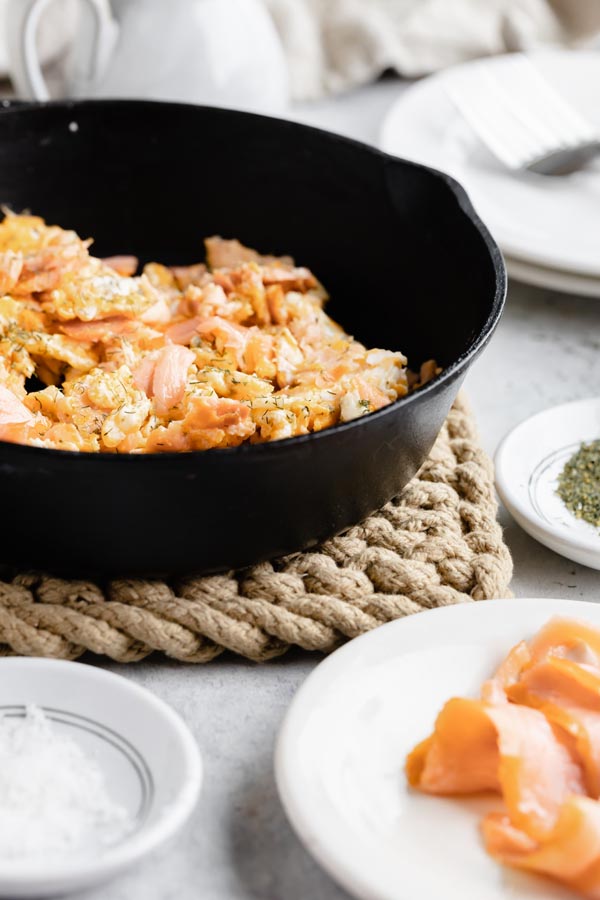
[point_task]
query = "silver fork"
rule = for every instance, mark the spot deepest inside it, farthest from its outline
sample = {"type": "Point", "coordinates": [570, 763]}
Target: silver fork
{"type": "Point", "coordinates": [521, 118]}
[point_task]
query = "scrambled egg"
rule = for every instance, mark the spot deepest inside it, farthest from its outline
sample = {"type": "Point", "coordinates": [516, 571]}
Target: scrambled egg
{"type": "Point", "coordinates": [96, 358]}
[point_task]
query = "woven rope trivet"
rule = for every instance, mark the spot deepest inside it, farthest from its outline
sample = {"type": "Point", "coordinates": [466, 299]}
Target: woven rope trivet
{"type": "Point", "coordinates": [438, 543]}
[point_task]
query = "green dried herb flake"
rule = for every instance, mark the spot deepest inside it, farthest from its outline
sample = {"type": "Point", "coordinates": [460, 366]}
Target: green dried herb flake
{"type": "Point", "coordinates": [579, 483]}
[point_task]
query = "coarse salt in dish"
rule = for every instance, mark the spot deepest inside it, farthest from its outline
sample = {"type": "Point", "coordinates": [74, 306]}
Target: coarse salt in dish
{"type": "Point", "coordinates": [94, 776]}
{"type": "Point", "coordinates": [54, 802]}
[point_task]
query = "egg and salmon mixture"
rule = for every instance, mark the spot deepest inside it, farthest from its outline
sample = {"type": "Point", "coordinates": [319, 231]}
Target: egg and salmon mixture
{"type": "Point", "coordinates": [97, 358]}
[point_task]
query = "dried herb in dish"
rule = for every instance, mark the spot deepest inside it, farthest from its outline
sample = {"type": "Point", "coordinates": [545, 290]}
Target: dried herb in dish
{"type": "Point", "coordinates": [579, 483]}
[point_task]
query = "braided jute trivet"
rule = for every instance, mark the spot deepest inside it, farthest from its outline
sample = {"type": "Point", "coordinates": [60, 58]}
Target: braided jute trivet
{"type": "Point", "coordinates": [438, 543]}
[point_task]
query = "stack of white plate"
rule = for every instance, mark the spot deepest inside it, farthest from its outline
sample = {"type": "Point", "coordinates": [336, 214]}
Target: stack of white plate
{"type": "Point", "coordinates": [547, 227]}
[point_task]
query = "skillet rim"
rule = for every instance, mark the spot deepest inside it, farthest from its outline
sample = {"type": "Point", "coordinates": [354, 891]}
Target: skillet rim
{"type": "Point", "coordinates": [450, 373]}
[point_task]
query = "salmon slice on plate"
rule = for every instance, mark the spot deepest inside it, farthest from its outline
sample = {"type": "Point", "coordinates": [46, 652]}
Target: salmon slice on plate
{"type": "Point", "coordinates": [533, 738]}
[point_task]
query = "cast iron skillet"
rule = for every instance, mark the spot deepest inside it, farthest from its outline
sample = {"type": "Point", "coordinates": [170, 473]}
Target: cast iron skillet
{"type": "Point", "coordinates": [406, 260]}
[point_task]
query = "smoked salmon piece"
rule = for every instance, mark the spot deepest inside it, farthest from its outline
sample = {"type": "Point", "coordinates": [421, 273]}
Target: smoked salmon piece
{"type": "Point", "coordinates": [164, 376]}
{"type": "Point", "coordinates": [570, 852]}
{"type": "Point", "coordinates": [534, 738]}
{"type": "Point", "coordinates": [569, 638]}
{"type": "Point", "coordinates": [209, 423]}
{"type": "Point", "coordinates": [509, 749]}
{"type": "Point", "coordinates": [494, 690]}
{"type": "Point", "coordinates": [228, 335]}
{"type": "Point", "coordinates": [158, 314]}
{"type": "Point", "coordinates": [170, 376]}
{"type": "Point", "coordinates": [186, 275]}
{"type": "Point", "coordinates": [568, 695]}
{"type": "Point", "coordinates": [12, 410]}
{"type": "Point", "coordinates": [226, 254]}
{"type": "Point", "coordinates": [183, 332]}
{"type": "Point", "coordinates": [15, 418]}
{"type": "Point", "coordinates": [560, 638]}
{"type": "Point", "coordinates": [558, 672]}
{"type": "Point", "coordinates": [11, 266]}
{"type": "Point", "coordinates": [122, 265]}
{"type": "Point", "coordinates": [100, 329]}
{"type": "Point", "coordinates": [144, 373]}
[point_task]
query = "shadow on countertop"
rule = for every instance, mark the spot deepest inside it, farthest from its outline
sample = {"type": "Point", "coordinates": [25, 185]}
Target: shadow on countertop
{"type": "Point", "coordinates": [269, 860]}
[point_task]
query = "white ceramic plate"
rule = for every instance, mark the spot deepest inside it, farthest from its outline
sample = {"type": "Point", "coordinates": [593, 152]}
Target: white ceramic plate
{"type": "Point", "coordinates": [556, 280]}
{"type": "Point", "coordinates": [528, 463]}
{"type": "Point", "coordinates": [341, 751]}
{"type": "Point", "coordinates": [150, 761]}
{"type": "Point", "coordinates": [552, 222]}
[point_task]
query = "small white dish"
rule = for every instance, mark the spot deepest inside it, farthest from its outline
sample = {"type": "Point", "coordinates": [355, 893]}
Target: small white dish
{"type": "Point", "coordinates": [343, 743]}
{"type": "Point", "coordinates": [554, 279]}
{"type": "Point", "coordinates": [528, 463]}
{"type": "Point", "coordinates": [150, 762]}
{"type": "Point", "coordinates": [551, 222]}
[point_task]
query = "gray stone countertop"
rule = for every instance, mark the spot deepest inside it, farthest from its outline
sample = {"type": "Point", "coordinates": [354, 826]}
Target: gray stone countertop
{"type": "Point", "coordinates": [238, 845]}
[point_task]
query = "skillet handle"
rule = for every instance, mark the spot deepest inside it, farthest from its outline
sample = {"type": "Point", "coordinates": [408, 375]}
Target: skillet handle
{"type": "Point", "coordinates": [22, 20]}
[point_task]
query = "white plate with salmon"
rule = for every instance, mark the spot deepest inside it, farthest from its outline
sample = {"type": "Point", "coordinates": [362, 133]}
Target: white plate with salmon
{"type": "Point", "coordinates": [454, 754]}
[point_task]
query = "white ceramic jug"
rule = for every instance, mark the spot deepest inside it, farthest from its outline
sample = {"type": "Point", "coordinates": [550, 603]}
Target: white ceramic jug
{"type": "Point", "coordinates": [221, 52]}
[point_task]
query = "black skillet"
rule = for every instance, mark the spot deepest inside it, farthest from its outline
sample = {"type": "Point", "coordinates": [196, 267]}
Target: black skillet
{"type": "Point", "coordinates": [407, 262]}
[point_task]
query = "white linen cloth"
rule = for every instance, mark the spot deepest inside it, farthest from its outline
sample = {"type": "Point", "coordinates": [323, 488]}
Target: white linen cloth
{"type": "Point", "coordinates": [332, 45]}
